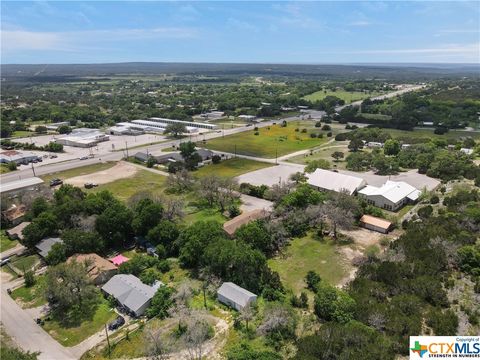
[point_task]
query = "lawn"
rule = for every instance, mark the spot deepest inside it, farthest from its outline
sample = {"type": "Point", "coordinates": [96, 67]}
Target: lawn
{"type": "Point", "coordinates": [24, 262]}
{"type": "Point", "coordinates": [305, 254]}
{"type": "Point", "coordinates": [33, 296]}
{"type": "Point", "coordinates": [142, 180]}
{"type": "Point", "coordinates": [4, 169]}
{"type": "Point", "coordinates": [6, 243]}
{"type": "Point", "coordinates": [70, 336]}
{"type": "Point", "coordinates": [23, 133]}
{"type": "Point", "coordinates": [203, 215]}
{"type": "Point", "coordinates": [348, 96]}
{"type": "Point", "coordinates": [271, 141]}
{"type": "Point", "coordinates": [231, 168]}
{"type": "Point", "coordinates": [324, 153]}
{"type": "Point", "coordinates": [84, 170]}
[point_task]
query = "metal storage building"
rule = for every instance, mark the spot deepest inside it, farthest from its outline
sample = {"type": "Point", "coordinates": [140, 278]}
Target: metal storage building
{"type": "Point", "coordinates": [235, 296]}
{"type": "Point", "coordinates": [333, 181]}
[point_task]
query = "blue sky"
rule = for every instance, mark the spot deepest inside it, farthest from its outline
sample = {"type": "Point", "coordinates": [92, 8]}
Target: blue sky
{"type": "Point", "coordinates": [265, 32]}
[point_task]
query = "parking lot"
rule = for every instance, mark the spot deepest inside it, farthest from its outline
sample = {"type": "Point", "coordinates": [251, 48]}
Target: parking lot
{"type": "Point", "coordinates": [116, 143]}
{"type": "Point", "coordinates": [271, 175]}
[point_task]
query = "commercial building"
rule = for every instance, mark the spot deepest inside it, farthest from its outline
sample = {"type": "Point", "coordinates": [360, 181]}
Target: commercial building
{"type": "Point", "coordinates": [326, 180]}
{"type": "Point", "coordinates": [133, 295]}
{"type": "Point", "coordinates": [244, 218]}
{"type": "Point", "coordinates": [250, 118]}
{"type": "Point", "coordinates": [235, 296]}
{"type": "Point", "coordinates": [390, 196]}
{"type": "Point", "coordinates": [29, 184]}
{"type": "Point", "coordinates": [375, 224]}
{"type": "Point", "coordinates": [99, 270]}
{"type": "Point", "coordinates": [83, 137]}
{"type": "Point", "coordinates": [124, 130]}
{"type": "Point", "coordinates": [45, 245]}
{"type": "Point", "coordinates": [17, 157]}
{"type": "Point", "coordinates": [212, 115]}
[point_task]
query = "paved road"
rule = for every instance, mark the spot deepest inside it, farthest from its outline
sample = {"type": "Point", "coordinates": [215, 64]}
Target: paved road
{"type": "Point", "coordinates": [118, 155]}
{"type": "Point", "coordinates": [26, 333]}
{"type": "Point", "coordinates": [17, 250]}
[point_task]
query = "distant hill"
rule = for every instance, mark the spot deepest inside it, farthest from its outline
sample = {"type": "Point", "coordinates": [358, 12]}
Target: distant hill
{"type": "Point", "coordinates": [53, 72]}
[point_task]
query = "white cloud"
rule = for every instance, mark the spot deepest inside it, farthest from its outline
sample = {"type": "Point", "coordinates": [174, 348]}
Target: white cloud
{"type": "Point", "coordinates": [21, 40]}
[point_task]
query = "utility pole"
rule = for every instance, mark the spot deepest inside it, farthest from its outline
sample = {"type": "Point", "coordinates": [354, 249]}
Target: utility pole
{"type": "Point", "coordinates": [276, 156]}
{"type": "Point", "coordinates": [223, 130]}
{"type": "Point", "coordinates": [108, 340]}
{"type": "Point", "coordinates": [126, 148]}
{"type": "Point", "coordinates": [33, 170]}
{"type": "Point", "coordinates": [235, 150]}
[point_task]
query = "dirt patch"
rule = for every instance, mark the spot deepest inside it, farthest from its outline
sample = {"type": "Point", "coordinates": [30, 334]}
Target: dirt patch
{"type": "Point", "coordinates": [120, 171]}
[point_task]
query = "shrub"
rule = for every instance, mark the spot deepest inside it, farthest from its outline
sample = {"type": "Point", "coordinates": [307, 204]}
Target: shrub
{"type": "Point", "coordinates": [304, 131]}
{"type": "Point", "coordinates": [312, 279]}
{"type": "Point", "coordinates": [313, 135]}
{"type": "Point", "coordinates": [318, 124]}
{"type": "Point", "coordinates": [434, 199]}
{"type": "Point", "coordinates": [216, 159]}
{"type": "Point", "coordinates": [425, 212]}
{"type": "Point", "coordinates": [12, 166]}
{"type": "Point", "coordinates": [341, 137]}
{"type": "Point", "coordinates": [297, 129]}
{"type": "Point", "coordinates": [326, 127]}
{"type": "Point", "coordinates": [329, 134]}
{"type": "Point", "coordinates": [29, 278]}
{"type": "Point", "coordinates": [256, 133]}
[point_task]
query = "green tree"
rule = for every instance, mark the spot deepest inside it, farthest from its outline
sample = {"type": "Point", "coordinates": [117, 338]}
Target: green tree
{"type": "Point", "coordinates": [70, 293]}
{"type": "Point", "coordinates": [56, 255]}
{"type": "Point", "coordinates": [146, 215]}
{"type": "Point", "coordinates": [313, 280]}
{"type": "Point", "coordinates": [187, 149]}
{"type": "Point", "coordinates": [41, 129]}
{"type": "Point", "coordinates": [151, 161]}
{"type": "Point", "coordinates": [337, 155]}
{"type": "Point", "coordinates": [161, 302]}
{"type": "Point", "coordinates": [313, 165]}
{"type": "Point", "coordinates": [391, 147]}
{"type": "Point", "coordinates": [176, 129]}
{"type": "Point", "coordinates": [64, 129]}
{"type": "Point", "coordinates": [333, 305]}
{"type": "Point", "coordinates": [29, 277]}
{"type": "Point", "coordinates": [12, 166]}
{"type": "Point", "coordinates": [355, 144]}
{"type": "Point", "coordinates": [114, 225]}
{"type": "Point", "coordinates": [83, 242]}
{"type": "Point", "coordinates": [165, 233]}
{"type": "Point", "coordinates": [255, 234]}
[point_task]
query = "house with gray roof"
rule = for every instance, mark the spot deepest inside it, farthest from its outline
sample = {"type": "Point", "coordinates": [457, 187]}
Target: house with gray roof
{"type": "Point", "coordinates": [235, 296]}
{"type": "Point", "coordinates": [130, 292]}
{"type": "Point", "coordinates": [45, 245]}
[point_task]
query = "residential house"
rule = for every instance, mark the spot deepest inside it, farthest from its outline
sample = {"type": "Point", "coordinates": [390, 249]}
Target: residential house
{"type": "Point", "coordinates": [16, 233]}
{"type": "Point", "coordinates": [390, 196]}
{"type": "Point", "coordinates": [45, 245]}
{"type": "Point", "coordinates": [235, 296]}
{"type": "Point", "coordinates": [99, 270]}
{"type": "Point", "coordinates": [130, 293]}
{"type": "Point", "coordinates": [244, 218]}
{"type": "Point", "coordinates": [326, 180]}
{"type": "Point", "coordinates": [14, 215]}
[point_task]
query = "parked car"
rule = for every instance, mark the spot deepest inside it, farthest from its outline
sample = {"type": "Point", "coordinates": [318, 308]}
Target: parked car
{"type": "Point", "coordinates": [90, 185]}
{"type": "Point", "coordinates": [39, 321]}
{"type": "Point", "coordinates": [40, 159]}
{"type": "Point", "coordinates": [83, 158]}
{"type": "Point", "coordinates": [115, 324]}
{"type": "Point", "coordinates": [53, 156]}
{"type": "Point", "coordinates": [55, 182]}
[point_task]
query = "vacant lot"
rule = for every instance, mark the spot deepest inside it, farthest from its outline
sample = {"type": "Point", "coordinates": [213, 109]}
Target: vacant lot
{"type": "Point", "coordinates": [305, 254]}
{"type": "Point", "coordinates": [270, 141]}
{"type": "Point", "coordinates": [231, 168]}
{"type": "Point", "coordinates": [120, 171]}
{"type": "Point", "coordinates": [348, 96]}
{"type": "Point", "coordinates": [142, 180]}
{"type": "Point", "coordinates": [70, 336]}
{"type": "Point", "coordinates": [271, 175]}
{"type": "Point", "coordinates": [325, 153]}
{"type": "Point", "coordinates": [31, 297]}
{"type": "Point", "coordinates": [428, 134]}
{"type": "Point", "coordinates": [81, 171]}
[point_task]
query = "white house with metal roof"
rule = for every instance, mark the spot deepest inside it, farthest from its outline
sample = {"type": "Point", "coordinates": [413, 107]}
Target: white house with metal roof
{"type": "Point", "coordinates": [235, 296]}
{"type": "Point", "coordinates": [130, 292]}
{"type": "Point", "coordinates": [390, 196]}
{"type": "Point", "coordinates": [333, 181]}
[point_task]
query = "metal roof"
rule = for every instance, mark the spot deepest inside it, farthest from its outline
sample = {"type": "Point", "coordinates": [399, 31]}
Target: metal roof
{"type": "Point", "coordinates": [236, 293]}
{"type": "Point", "coordinates": [393, 191]}
{"type": "Point", "coordinates": [20, 184]}
{"type": "Point", "coordinates": [45, 245]}
{"type": "Point", "coordinates": [129, 291]}
{"type": "Point", "coordinates": [334, 181]}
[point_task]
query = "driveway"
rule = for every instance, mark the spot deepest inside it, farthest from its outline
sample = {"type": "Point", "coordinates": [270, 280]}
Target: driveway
{"type": "Point", "coordinates": [250, 203]}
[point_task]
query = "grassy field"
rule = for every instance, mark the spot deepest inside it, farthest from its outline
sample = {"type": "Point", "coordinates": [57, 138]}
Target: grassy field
{"type": "Point", "coordinates": [231, 168]}
{"type": "Point", "coordinates": [271, 141]}
{"type": "Point", "coordinates": [33, 296]}
{"type": "Point", "coordinates": [325, 154]}
{"type": "Point", "coordinates": [348, 96]}
{"type": "Point", "coordinates": [70, 336]}
{"type": "Point", "coordinates": [428, 133]}
{"type": "Point", "coordinates": [24, 262]}
{"type": "Point", "coordinates": [4, 169]}
{"type": "Point", "coordinates": [22, 133]}
{"type": "Point", "coordinates": [305, 254]}
{"type": "Point", "coordinates": [84, 170]}
{"type": "Point", "coordinates": [6, 243]}
{"type": "Point", "coordinates": [142, 180]}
